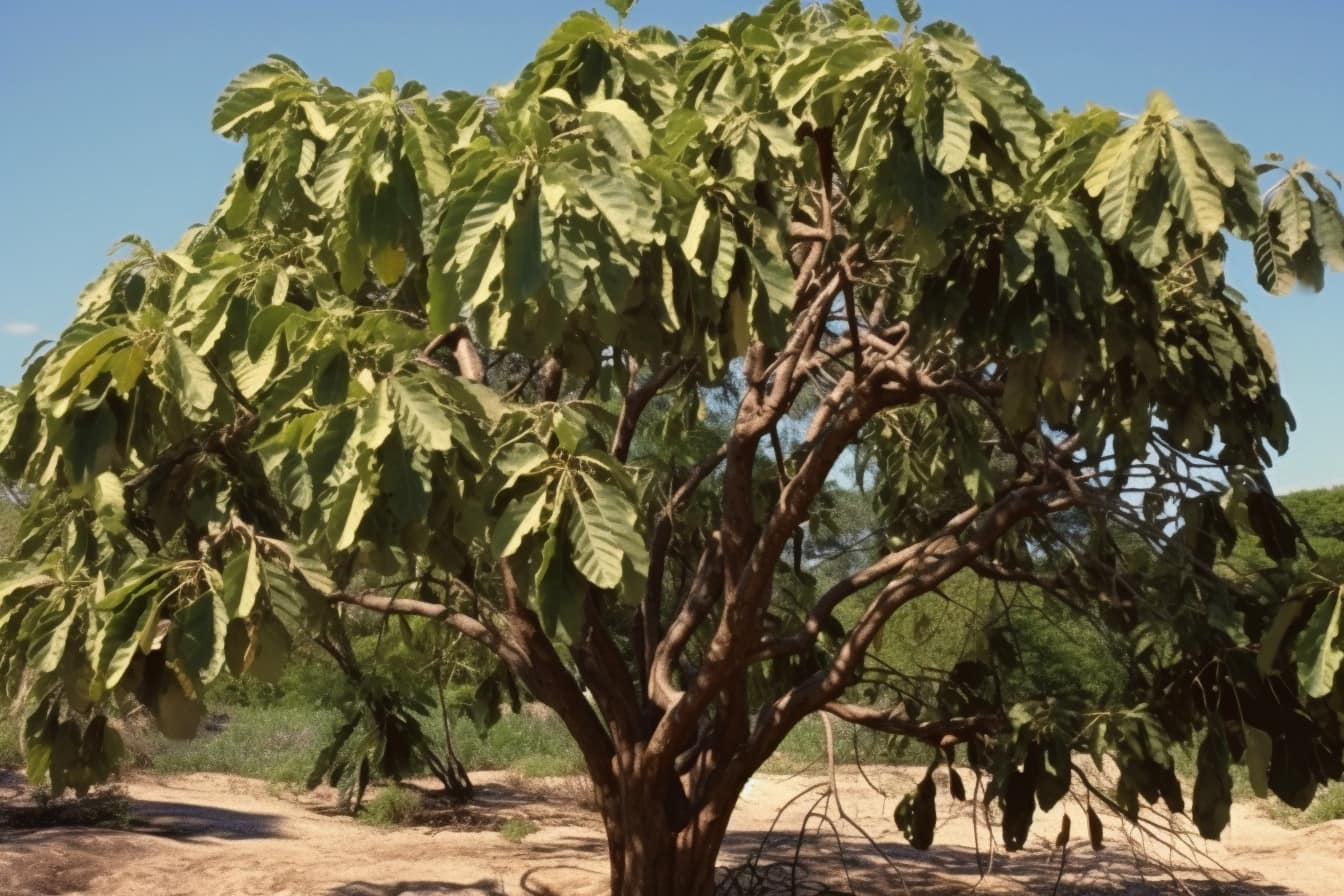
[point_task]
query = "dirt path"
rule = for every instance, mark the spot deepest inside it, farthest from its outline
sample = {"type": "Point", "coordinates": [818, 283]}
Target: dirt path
{"type": "Point", "coordinates": [215, 834]}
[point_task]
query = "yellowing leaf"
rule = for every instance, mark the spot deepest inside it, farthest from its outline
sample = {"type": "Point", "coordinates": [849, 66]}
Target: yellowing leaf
{"type": "Point", "coordinates": [389, 263]}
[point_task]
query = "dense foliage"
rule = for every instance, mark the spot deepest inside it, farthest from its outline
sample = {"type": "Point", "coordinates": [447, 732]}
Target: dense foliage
{"type": "Point", "coordinates": [404, 367]}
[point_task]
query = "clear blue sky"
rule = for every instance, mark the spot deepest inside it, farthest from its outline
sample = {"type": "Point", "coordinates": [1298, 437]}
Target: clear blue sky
{"type": "Point", "coordinates": [108, 108]}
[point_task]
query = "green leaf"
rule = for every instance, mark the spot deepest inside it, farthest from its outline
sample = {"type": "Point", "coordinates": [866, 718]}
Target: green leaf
{"type": "Point", "coordinates": [353, 499]}
{"type": "Point", "coordinates": [184, 375]}
{"type": "Point", "coordinates": [268, 650]}
{"type": "Point", "coordinates": [1213, 784]}
{"type": "Point", "coordinates": [1294, 215]}
{"type": "Point", "coordinates": [1273, 262]}
{"type": "Point", "coordinates": [1195, 197]}
{"type": "Point", "coordinates": [559, 593]}
{"type": "Point", "coordinates": [431, 168]}
{"type": "Point", "coordinates": [910, 10]}
{"type": "Point", "coordinates": [1021, 393]}
{"type": "Point", "coordinates": [1319, 651]}
{"type": "Point", "coordinates": [242, 582]}
{"type": "Point", "coordinates": [1259, 752]}
{"type": "Point", "coordinates": [520, 459]}
{"type": "Point", "coordinates": [520, 518]}
{"type": "Point", "coordinates": [627, 133]}
{"type": "Point", "coordinates": [422, 415]}
{"type": "Point", "coordinates": [1117, 151]}
{"type": "Point", "coordinates": [1117, 205]}
{"type": "Point", "coordinates": [46, 643]}
{"type": "Point", "coordinates": [334, 177]}
{"type": "Point", "coordinates": [200, 628]}
{"type": "Point", "coordinates": [109, 502]}
{"type": "Point", "coordinates": [179, 716]}
{"type": "Point", "coordinates": [266, 328]}
{"type": "Point", "coordinates": [88, 350]}
{"type": "Point", "coordinates": [524, 267]}
{"type": "Point", "coordinates": [1272, 640]}
{"type": "Point", "coordinates": [1327, 228]}
{"type": "Point", "coordinates": [121, 635]}
{"type": "Point", "coordinates": [955, 145]}
{"type": "Point", "coordinates": [620, 7]}
{"type": "Point", "coordinates": [377, 418]}
{"type": "Point", "coordinates": [569, 426]}
{"type": "Point", "coordinates": [599, 526]}
{"type": "Point", "coordinates": [1221, 156]}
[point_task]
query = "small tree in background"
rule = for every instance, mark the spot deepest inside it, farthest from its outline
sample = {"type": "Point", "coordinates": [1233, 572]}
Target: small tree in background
{"type": "Point", "coordinates": [407, 367]}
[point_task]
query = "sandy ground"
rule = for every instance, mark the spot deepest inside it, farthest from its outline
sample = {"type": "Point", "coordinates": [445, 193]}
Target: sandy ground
{"type": "Point", "coordinates": [215, 834]}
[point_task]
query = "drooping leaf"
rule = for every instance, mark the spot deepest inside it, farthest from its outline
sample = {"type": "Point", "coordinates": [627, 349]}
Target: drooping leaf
{"type": "Point", "coordinates": [201, 627]}
{"type": "Point", "coordinates": [1320, 647]}
{"type": "Point", "coordinates": [1213, 784]}
{"type": "Point", "coordinates": [1194, 195]}
{"type": "Point", "coordinates": [917, 814]}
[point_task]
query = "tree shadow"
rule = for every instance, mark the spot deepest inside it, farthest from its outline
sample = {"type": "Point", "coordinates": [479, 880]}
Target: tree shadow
{"type": "Point", "coordinates": [775, 865]}
{"type": "Point", "coordinates": [481, 887]}
{"type": "Point", "coordinates": [189, 822]}
{"type": "Point", "coordinates": [184, 822]}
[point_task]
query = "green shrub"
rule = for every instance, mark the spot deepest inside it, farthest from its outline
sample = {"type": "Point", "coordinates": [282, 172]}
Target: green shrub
{"type": "Point", "coordinates": [516, 829]}
{"type": "Point", "coordinates": [393, 807]}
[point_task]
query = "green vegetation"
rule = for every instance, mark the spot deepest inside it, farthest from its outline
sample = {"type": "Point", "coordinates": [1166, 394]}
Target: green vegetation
{"type": "Point", "coordinates": [515, 830]}
{"type": "Point", "coordinates": [690, 386]}
{"type": "Point", "coordinates": [392, 807]}
{"type": "Point", "coordinates": [275, 743]}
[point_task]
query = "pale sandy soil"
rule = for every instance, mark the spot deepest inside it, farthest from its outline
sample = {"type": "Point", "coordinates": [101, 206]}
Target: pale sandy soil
{"type": "Point", "coordinates": [214, 834]}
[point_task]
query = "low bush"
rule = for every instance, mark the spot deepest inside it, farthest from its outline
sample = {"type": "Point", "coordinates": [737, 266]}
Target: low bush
{"type": "Point", "coordinates": [395, 806]}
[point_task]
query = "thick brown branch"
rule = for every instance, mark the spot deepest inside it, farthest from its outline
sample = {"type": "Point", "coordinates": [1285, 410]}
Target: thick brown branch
{"type": "Point", "coordinates": [400, 606]}
{"type": "Point", "coordinates": [213, 443]}
{"type": "Point", "coordinates": [465, 353]}
{"type": "Point", "coordinates": [636, 400]}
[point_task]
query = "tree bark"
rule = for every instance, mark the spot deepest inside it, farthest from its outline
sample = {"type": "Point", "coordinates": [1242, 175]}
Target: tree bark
{"type": "Point", "coordinates": [648, 857]}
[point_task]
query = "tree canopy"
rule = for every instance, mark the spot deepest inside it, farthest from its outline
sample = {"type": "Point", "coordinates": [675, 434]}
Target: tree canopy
{"type": "Point", "coordinates": [589, 370]}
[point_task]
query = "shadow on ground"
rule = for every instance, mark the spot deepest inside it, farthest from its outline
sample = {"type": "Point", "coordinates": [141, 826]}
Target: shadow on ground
{"type": "Point", "coordinates": [417, 888]}
{"type": "Point", "coordinates": [777, 866]}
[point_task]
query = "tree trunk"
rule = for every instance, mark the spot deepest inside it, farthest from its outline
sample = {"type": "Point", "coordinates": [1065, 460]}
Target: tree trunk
{"type": "Point", "coordinates": [648, 858]}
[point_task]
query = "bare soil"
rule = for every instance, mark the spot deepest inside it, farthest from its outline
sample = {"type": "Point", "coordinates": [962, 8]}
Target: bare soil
{"type": "Point", "coordinates": [216, 834]}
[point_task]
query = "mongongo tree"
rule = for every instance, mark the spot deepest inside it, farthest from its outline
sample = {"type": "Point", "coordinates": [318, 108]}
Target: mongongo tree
{"type": "Point", "coordinates": [595, 369]}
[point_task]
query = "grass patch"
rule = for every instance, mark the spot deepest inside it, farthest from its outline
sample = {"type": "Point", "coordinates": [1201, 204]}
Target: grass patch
{"type": "Point", "coordinates": [804, 748]}
{"type": "Point", "coordinates": [274, 743]}
{"type": "Point", "coordinates": [530, 744]}
{"type": "Point", "coordinates": [395, 806]}
{"type": "Point", "coordinates": [104, 808]}
{"type": "Point", "coordinates": [515, 830]}
{"type": "Point", "coordinates": [1328, 806]}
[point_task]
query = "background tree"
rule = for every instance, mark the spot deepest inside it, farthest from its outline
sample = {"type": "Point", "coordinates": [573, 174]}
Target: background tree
{"type": "Point", "coordinates": [406, 368]}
